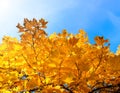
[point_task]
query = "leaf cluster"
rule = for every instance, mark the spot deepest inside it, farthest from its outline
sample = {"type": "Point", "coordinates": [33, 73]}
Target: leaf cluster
{"type": "Point", "coordinates": [58, 63]}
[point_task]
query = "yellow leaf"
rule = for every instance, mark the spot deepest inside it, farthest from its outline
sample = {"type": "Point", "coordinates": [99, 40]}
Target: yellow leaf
{"type": "Point", "coordinates": [47, 80]}
{"type": "Point", "coordinates": [53, 36]}
{"type": "Point", "coordinates": [52, 65]}
{"type": "Point", "coordinates": [68, 79]}
{"type": "Point", "coordinates": [1, 79]}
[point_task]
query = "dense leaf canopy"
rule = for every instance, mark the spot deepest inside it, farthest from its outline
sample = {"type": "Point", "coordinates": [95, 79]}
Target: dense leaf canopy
{"type": "Point", "coordinates": [58, 63]}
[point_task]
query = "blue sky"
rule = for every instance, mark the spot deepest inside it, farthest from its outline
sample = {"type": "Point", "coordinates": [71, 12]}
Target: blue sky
{"type": "Point", "coordinates": [96, 17]}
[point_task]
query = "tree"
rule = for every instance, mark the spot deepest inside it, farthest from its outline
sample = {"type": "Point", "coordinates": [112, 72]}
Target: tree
{"type": "Point", "coordinates": [59, 63]}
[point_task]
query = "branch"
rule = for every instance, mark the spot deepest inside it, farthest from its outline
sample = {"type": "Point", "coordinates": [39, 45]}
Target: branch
{"type": "Point", "coordinates": [107, 87]}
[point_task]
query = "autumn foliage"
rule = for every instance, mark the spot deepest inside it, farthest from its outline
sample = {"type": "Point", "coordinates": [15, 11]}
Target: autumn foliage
{"type": "Point", "coordinates": [58, 63]}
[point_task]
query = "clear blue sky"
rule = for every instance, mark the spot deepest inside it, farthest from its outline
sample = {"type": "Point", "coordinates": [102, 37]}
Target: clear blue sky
{"type": "Point", "coordinates": [96, 17]}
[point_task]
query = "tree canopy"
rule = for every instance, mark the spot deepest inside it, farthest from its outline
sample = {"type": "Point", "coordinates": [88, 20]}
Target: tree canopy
{"type": "Point", "coordinates": [58, 63]}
